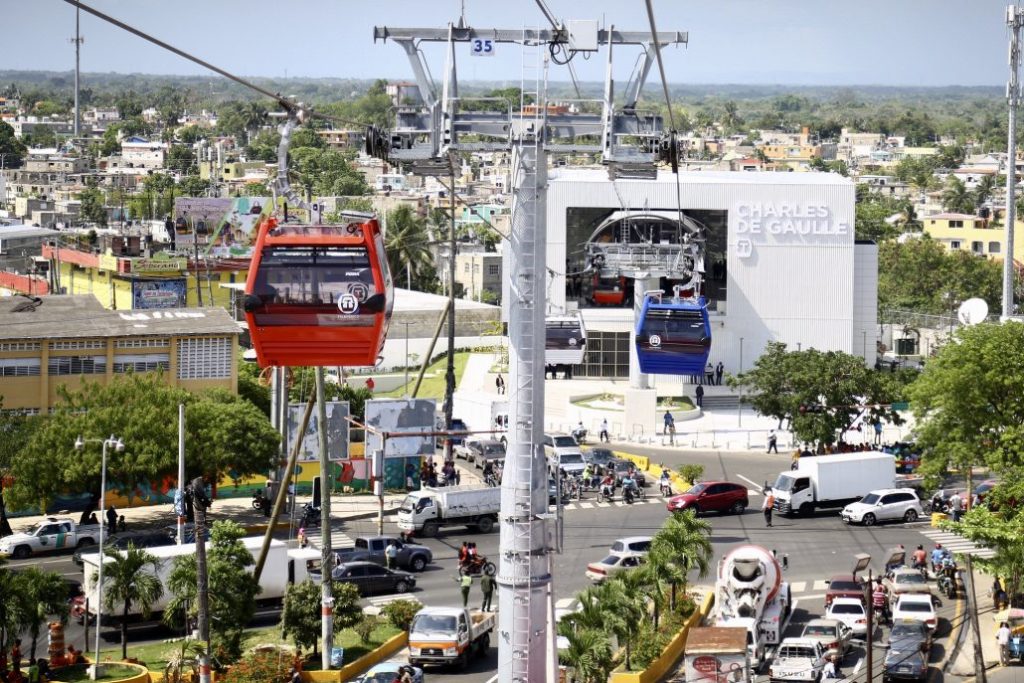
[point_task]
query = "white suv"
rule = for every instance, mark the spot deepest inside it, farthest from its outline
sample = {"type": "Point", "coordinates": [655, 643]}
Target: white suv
{"type": "Point", "coordinates": [884, 504]}
{"type": "Point", "coordinates": [564, 453]}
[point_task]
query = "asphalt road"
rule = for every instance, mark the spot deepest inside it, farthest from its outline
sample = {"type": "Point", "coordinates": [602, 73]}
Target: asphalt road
{"type": "Point", "coordinates": [816, 548]}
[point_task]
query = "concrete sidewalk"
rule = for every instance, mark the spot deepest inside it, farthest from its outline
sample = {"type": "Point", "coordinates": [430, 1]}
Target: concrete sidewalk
{"type": "Point", "coordinates": [963, 665]}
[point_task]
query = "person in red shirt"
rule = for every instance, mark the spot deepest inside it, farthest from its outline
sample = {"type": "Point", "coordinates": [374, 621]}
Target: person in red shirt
{"type": "Point", "coordinates": [369, 383]}
{"type": "Point", "coordinates": [920, 558]}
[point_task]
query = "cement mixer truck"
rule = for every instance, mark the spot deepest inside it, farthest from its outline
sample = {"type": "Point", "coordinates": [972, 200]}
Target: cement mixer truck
{"type": "Point", "coordinates": [750, 592]}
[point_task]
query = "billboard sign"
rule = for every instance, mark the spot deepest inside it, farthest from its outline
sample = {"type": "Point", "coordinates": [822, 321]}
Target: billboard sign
{"type": "Point", "coordinates": [337, 431]}
{"type": "Point", "coordinates": [401, 415]}
{"type": "Point", "coordinates": [224, 226]}
{"type": "Point", "coordinates": [150, 294]}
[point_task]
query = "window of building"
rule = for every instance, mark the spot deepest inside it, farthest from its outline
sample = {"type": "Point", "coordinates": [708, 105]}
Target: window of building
{"type": "Point", "coordinates": [143, 343]}
{"type": "Point", "coordinates": [465, 267]}
{"type": "Point", "coordinates": [954, 244]}
{"type": "Point", "coordinates": [19, 367]}
{"type": "Point", "coordinates": [78, 365]}
{"type": "Point", "coordinates": [78, 345]}
{"type": "Point", "coordinates": [956, 224]}
{"type": "Point", "coordinates": [994, 247]}
{"type": "Point", "coordinates": [607, 355]}
{"type": "Point", "coordinates": [978, 247]}
{"type": "Point", "coordinates": [494, 269]}
{"type": "Point", "coordinates": [149, 362]}
{"type": "Point", "coordinates": [476, 267]}
{"type": "Point", "coordinates": [19, 346]}
{"type": "Point", "coordinates": [204, 358]}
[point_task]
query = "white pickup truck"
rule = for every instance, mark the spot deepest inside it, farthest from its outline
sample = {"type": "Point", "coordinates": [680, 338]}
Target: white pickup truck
{"type": "Point", "coordinates": [449, 635]}
{"type": "Point", "coordinates": [49, 536]}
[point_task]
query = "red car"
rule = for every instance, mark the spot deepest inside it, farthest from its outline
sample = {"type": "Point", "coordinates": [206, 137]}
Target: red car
{"type": "Point", "coordinates": [844, 586]}
{"type": "Point", "coordinates": [711, 496]}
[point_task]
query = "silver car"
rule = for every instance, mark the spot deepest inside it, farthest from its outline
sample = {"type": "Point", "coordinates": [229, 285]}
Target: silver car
{"type": "Point", "coordinates": [833, 635]}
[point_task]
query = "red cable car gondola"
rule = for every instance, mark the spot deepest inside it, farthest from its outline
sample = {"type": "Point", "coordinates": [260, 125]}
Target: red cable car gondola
{"type": "Point", "coordinates": [319, 295]}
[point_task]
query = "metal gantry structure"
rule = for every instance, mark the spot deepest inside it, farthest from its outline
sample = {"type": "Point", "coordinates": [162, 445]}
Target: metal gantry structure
{"type": "Point", "coordinates": [629, 142]}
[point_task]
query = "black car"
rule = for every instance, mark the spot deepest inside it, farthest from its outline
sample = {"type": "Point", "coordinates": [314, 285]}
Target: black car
{"type": "Point", "coordinates": [140, 539]}
{"type": "Point", "coordinates": [908, 634]}
{"type": "Point", "coordinates": [373, 578]}
{"type": "Point", "coordinates": [599, 458]}
{"type": "Point", "coordinates": [621, 467]}
{"type": "Point", "coordinates": [905, 665]}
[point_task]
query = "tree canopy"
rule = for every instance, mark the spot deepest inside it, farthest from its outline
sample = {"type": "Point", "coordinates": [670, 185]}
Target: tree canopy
{"type": "Point", "coordinates": [11, 147]}
{"type": "Point", "coordinates": [223, 433]}
{"type": "Point", "coordinates": [820, 394]}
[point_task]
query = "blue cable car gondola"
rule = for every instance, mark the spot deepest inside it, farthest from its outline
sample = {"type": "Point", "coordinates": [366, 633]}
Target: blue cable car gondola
{"type": "Point", "coordinates": [673, 336]}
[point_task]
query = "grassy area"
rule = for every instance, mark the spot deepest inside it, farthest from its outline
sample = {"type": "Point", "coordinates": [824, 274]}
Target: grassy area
{"type": "Point", "coordinates": [154, 656]}
{"type": "Point", "coordinates": [600, 402]}
{"type": "Point", "coordinates": [675, 403]}
{"type": "Point", "coordinates": [80, 672]}
{"type": "Point", "coordinates": [433, 385]}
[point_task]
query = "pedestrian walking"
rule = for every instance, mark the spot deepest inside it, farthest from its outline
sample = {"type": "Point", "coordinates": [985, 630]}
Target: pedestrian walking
{"type": "Point", "coordinates": [769, 503]}
{"type": "Point", "coordinates": [1003, 639]}
{"type": "Point", "coordinates": [303, 541]}
{"type": "Point", "coordinates": [670, 421]}
{"type": "Point", "coordinates": [878, 431]}
{"type": "Point", "coordinates": [604, 431]}
{"type": "Point", "coordinates": [719, 371]}
{"type": "Point", "coordinates": [499, 383]}
{"type": "Point", "coordinates": [391, 554]}
{"type": "Point", "coordinates": [487, 585]}
{"type": "Point", "coordinates": [709, 373]}
{"type": "Point", "coordinates": [370, 384]}
{"type": "Point", "coordinates": [773, 442]}
{"type": "Point", "coordinates": [956, 506]}
{"type": "Point", "coordinates": [699, 393]}
{"type": "Point", "coordinates": [465, 582]}
{"type": "Point", "coordinates": [111, 519]}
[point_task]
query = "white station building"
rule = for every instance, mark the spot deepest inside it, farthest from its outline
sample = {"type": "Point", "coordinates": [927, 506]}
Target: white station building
{"type": "Point", "coordinates": [781, 261]}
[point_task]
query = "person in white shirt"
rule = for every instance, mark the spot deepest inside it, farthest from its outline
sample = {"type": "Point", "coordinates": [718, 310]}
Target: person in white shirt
{"type": "Point", "coordinates": [1003, 638]}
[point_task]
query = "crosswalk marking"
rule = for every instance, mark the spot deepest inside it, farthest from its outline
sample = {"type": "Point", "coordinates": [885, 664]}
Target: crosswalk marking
{"type": "Point", "coordinates": [808, 586]}
{"type": "Point", "coordinates": [339, 539]}
{"type": "Point", "coordinates": [377, 602]}
{"type": "Point", "coordinates": [958, 544]}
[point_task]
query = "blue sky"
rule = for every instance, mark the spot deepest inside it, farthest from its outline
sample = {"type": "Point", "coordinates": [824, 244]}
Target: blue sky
{"type": "Point", "coordinates": [807, 42]}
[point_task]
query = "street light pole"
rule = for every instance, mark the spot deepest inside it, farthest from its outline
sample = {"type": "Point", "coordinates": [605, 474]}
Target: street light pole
{"type": "Point", "coordinates": [119, 447]}
{"type": "Point", "coordinates": [739, 405]}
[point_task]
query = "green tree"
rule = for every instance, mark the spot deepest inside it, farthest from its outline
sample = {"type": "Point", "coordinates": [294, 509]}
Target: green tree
{"type": "Point", "coordinates": [956, 198]}
{"type": "Point", "coordinates": [130, 580]}
{"type": "Point", "coordinates": [406, 244]}
{"type": "Point", "coordinates": [181, 158]}
{"type": "Point", "coordinates": [183, 660]}
{"type": "Point", "coordinates": [39, 594]}
{"type": "Point", "coordinates": [624, 613]}
{"type": "Point", "coordinates": [984, 189]}
{"type": "Point", "coordinates": [12, 150]}
{"type": "Point", "coordinates": [920, 274]}
{"type": "Point", "coordinates": [590, 656]}
{"type": "Point", "coordinates": [193, 186]}
{"type": "Point", "coordinates": [189, 134]}
{"type": "Point", "coordinates": [871, 223]}
{"type": "Point", "coordinates": [682, 545]}
{"type": "Point", "coordinates": [968, 404]}
{"type": "Point", "coordinates": [232, 590]}
{"type": "Point", "coordinates": [821, 394]}
{"type": "Point", "coordinates": [263, 146]}
{"type": "Point", "coordinates": [94, 206]}
{"type": "Point", "coordinates": [224, 434]}
{"type": "Point", "coordinates": [326, 172]}
{"type": "Point", "coordinates": [300, 617]}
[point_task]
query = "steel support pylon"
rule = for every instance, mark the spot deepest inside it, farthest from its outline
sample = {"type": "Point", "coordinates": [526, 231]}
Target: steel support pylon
{"type": "Point", "coordinates": [524, 574]}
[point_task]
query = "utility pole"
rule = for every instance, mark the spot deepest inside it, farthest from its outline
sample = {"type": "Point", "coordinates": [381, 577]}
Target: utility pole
{"type": "Point", "coordinates": [326, 556]}
{"type": "Point", "coordinates": [200, 503]}
{"type": "Point", "coordinates": [1014, 21]}
{"type": "Point", "coordinates": [77, 40]}
{"type": "Point", "coordinates": [526, 646]}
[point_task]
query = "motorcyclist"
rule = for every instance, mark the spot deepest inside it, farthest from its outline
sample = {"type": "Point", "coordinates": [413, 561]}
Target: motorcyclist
{"type": "Point", "coordinates": [629, 483]}
{"type": "Point", "coordinates": [608, 485]}
{"type": "Point", "coordinates": [489, 472]}
{"type": "Point", "coordinates": [665, 482]}
{"type": "Point", "coordinates": [579, 433]}
{"type": "Point", "coordinates": [937, 554]}
{"type": "Point", "coordinates": [920, 558]}
{"type": "Point", "coordinates": [880, 600]}
{"type": "Point", "coordinates": [588, 475]}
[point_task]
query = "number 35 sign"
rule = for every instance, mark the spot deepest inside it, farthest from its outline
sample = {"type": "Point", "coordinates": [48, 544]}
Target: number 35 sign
{"type": "Point", "coordinates": [481, 48]}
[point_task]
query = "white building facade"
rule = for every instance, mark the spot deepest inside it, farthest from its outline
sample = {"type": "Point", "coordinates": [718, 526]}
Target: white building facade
{"type": "Point", "coordinates": [781, 261]}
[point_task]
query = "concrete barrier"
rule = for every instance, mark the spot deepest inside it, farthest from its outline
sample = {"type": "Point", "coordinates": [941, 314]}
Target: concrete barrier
{"type": "Point", "coordinates": [672, 653]}
{"type": "Point", "coordinates": [351, 670]}
{"type": "Point", "coordinates": [644, 464]}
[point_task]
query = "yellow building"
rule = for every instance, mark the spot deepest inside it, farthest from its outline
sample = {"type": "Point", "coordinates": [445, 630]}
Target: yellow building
{"type": "Point", "coordinates": [967, 232]}
{"type": "Point", "coordinates": [67, 340]}
{"type": "Point", "coordinates": [138, 282]}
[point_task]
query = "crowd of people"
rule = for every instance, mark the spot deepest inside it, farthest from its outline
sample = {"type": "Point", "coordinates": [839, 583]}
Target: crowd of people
{"type": "Point", "coordinates": [14, 670]}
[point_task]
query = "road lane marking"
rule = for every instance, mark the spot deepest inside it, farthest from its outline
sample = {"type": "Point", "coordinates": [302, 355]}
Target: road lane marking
{"type": "Point", "coordinates": [751, 482]}
{"type": "Point", "coordinates": [820, 585]}
{"type": "Point", "coordinates": [857, 667]}
{"type": "Point", "coordinates": [492, 680]}
{"type": "Point", "coordinates": [798, 586]}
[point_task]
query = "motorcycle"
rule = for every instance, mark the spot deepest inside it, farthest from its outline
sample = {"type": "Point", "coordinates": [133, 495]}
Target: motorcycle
{"type": "Point", "coordinates": [580, 434]}
{"type": "Point", "coordinates": [665, 486]}
{"type": "Point", "coordinates": [477, 566]}
{"type": "Point", "coordinates": [951, 584]}
{"type": "Point", "coordinates": [261, 502]}
{"type": "Point", "coordinates": [608, 492]}
{"type": "Point", "coordinates": [629, 494]}
{"type": "Point", "coordinates": [310, 516]}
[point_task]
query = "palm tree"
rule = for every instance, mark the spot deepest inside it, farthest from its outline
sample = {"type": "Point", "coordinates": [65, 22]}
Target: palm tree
{"type": "Point", "coordinates": [624, 611]}
{"type": "Point", "coordinates": [127, 583]}
{"type": "Point", "coordinates": [39, 594]}
{"type": "Point", "coordinates": [956, 198]}
{"type": "Point", "coordinates": [984, 189]}
{"type": "Point", "coordinates": [8, 605]}
{"type": "Point", "coordinates": [590, 615]}
{"type": "Point", "coordinates": [406, 243]}
{"type": "Point", "coordinates": [254, 115]}
{"type": "Point", "coordinates": [590, 656]}
{"type": "Point", "coordinates": [681, 546]}
{"type": "Point", "coordinates": [183, 660]}
{"type": "Point", "coordinates": [922, 179]}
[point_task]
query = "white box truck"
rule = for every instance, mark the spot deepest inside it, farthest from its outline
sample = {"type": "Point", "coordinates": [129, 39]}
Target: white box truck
{"type": "Point", "coordinates": [283, 567]}
{"type": "Point", "coordinates": [425, 511]}
{"type": "Point", "coordinates": [832, 481]}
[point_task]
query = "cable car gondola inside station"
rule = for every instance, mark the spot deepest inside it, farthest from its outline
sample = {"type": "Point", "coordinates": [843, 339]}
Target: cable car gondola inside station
{"type": "Point", "coordinates": [673, 336]}
{"type": "Point", "coordinates": [319, 295]}
{"type": "Point", "coordinates": [565, 340]}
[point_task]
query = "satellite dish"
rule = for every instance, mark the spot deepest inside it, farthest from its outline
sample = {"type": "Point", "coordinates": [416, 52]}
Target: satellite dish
{"type": "Point", "coordinates": [972, 312]}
